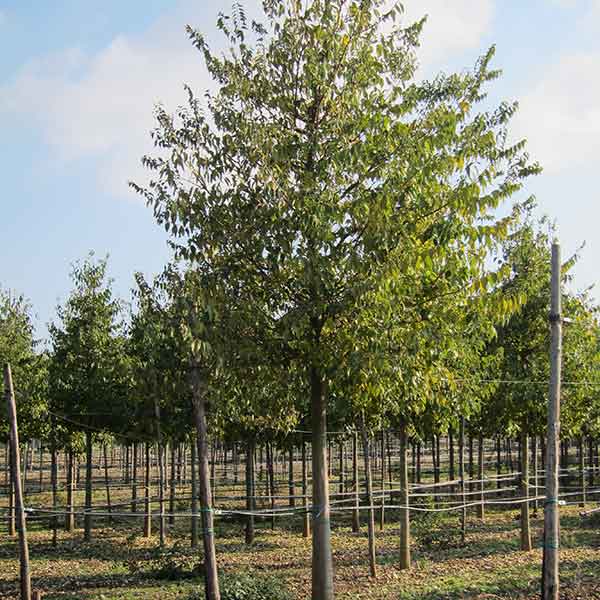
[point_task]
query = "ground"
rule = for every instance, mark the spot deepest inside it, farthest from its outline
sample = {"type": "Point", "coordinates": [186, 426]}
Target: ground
{"type": "Point", "coordinates": [118, 563]}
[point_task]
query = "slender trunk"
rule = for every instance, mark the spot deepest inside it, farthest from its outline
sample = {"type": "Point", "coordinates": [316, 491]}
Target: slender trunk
{"type": "Point", "coordinates": [369, 489]}
{"type": "Point", "coordinates": [54, 482]}
{"type": "Point", "coordinates": [70, 516]}
{"type": "Point", "coordinates": [461, 474]}
{"type": "Point", "coordinates": [250, 491]}
{"type": "Point", "coordinates": [87, 535]}
{"type": "Point", "coordinates": [356, 511]}
{"type": "Point", "coordinates": [305, 515]}
{"type": "Point", "coordinates": [590, 462]}
{"type": "Point", "coordinates": [480, 467]}
{"type": "Point", "coordinates": [147, 505]}
{"type": "Point", "coordinates": [211, 580]}
{"type": "Point", "coordinates": [435, 455]}
{"type": "Point", "coordinates": [194, 459]}
{"type": "Point", "coordinates": [418, 462]}
{"type": "Point", "coordinates": [382, 510]}
{"type": "Point", "coordinates": [291, 486]}
{"type": "Point", "coordinates": [107, 484]}
{"type": "Point", "coordinates": [172, 484]}
{"type": "Point", "coordinates": [582, 479]}
{"type": "Point", "coordinates": [471, 462]}
{"type": "Point", "coordinates": [134, 478]}
{"type": "Point", "coordinates": [404, 501]}
{"type": "Point", "coordinates": [41, 463]}
{"type": "Point", "coordinates": [271, 482]}
{"type": "Point", "coordinates": [534, 456]}
{"type": "Point", "coordinates": [161, 495]}
{"type": "Point", "coordinates": [12, 529]}
{"type": "Point", "coordinates": [322, 560]}
{"type": "Point", "coordinates": [498, 463]}
{"type": "Point", "coordinates": [451, 470]}
{"type": "Point", "coordinates": [525, 526]}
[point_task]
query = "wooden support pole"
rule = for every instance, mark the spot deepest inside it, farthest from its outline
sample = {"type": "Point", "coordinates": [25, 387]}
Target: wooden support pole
{"type": "Point", "coordinates": [550, 577]}
{"type": "Point", "coordinates": [16, 475]}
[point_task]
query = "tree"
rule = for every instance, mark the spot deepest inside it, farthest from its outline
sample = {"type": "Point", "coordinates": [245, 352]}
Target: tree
{"type": "Point", "coordinates": [325, 175]}
{"type": "Point", "coordinates": [86, 374]}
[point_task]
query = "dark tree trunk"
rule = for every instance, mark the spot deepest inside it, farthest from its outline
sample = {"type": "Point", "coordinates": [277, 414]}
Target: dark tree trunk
{"type": "Point", "coordinates": [404, 501]}
{"type": "Point", "coordinates": [107, 484]}
{"type": "Point", "coordinates": [480, 468]}
{"type": "Point", "coordinates": [194, 467]}
{"type": "Point", "coordinates": [70, 516]}
{"type": "Point", "coordinates": [147, 504]}
{"type": "Point", "coordinates": [291, 486]}
{"type": "Point", "coordinates": [88, 487]}
{"type": "Point", "coordinates": [250, 491]}
{"type": "Point", "coordinates": [134, 478]}
{"type": "Point", "coordinates": [525, 525]}
{"type": "Point", "coordinates": [305, 516]}
{"type": "Point", "coordinates": [211, 579]}
{"type": "Point", "coordinates": [54, 483]}
{"type": "Point", "coordinates": [322, 560]}
{"type": "Point", "coordinates": [369, 489]}
{"type": "Point", "coordinates": [172, 484]}
{"type": "Point", "coordinates": [356, 511]}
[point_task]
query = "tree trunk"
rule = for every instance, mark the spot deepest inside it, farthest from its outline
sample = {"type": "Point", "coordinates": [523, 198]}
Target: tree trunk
{"type": "Point", "coordinates": [404, 501]}
{"type": "Point", "coordinates": [250, 491]}
{"type": "Point", "coordinates": [461, 474]}
{"type": "Point", "coordinates": [382, 510]}
{"type": "Point", "coordinates": [291, 486]}
{"type": "Point", "coordinates": [369, 488]}
{"type": "Point", "coordinates": [322, 560]}
{"type": "Point", "coordinates": [498, 463]}
{"type": "Point", "coordinates": [134, 478]}
{"type": "Point", "coordinates": [211, 580]}
{"type": "Point", "coordinates": [534, 456]}
{"type": "Point", "coordinates": [54, 483]}
{"type": "Point", "coordinates": [147, 504]}
{"type": "Point", "coordinates": [480, 468]}
{"type": "Point", "coordinates": [194, 459]}
{"type": "Point", "coordinates": [582, 479]}
{"type": "Point", "coordinates": [271, 482]}
{"type": "Point", "coordinates": [107, 484]}
{"type": "Point", "coordinates": [172, 484]}
{"type": "Point", "coordinates": [70, 516]}
{"type": "Point", "coordinates": [87, 536]}
{"type": "Point", "coordinates": [525, 526]}
{"type": "Point", "coordinates": [356, 511]}
{"type": "Point", "coordinates": [305, 516]}
{"type": "Point", "coordinates": [451, 469]}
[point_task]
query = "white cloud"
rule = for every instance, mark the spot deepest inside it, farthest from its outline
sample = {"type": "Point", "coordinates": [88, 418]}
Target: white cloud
{"type": "Point", "coordinates": [100, 105]}
{"type": "Point", "coordinates": [452, 26]}
{"type": "Point", "coordinates": [560, 116]}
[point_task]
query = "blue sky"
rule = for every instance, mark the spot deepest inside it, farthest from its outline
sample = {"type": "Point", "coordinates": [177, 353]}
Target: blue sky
{"type": "Point", "coordinates": [78, 81]}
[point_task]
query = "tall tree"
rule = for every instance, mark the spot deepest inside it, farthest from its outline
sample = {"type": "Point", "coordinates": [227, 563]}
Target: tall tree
{"type": "Point", "coordinates": [324, 175]}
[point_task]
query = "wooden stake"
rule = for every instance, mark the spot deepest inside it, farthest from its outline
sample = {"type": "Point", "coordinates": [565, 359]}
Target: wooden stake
{"type": "Point", "coordinates": [16, 475]}
{"type": "Point", "coordinates": [550, 577]}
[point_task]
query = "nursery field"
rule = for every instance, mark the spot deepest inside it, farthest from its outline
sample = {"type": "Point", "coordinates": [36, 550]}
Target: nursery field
{"type": "Point", "coordinates": [120, 562]}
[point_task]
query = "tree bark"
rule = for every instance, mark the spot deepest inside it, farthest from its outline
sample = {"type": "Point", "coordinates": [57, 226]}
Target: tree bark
{"type": "Point", "coordinates": [305, 516]}
{"type": "Point", "coordinates": [356, 511]}
{"type": "Point", "coordinates": [369, 489]}
{"type": "Point", "coordinates": [147, 504]}
{"type": "Point", "coordinates": [107, 484]}
{"type": "Point", "coordinates": [480, 471]}
{"type": "Point", "coordinates": [291, 486]}
{"type": "Point", "coordinates": [250, 491]}
{"type": "Point", "coordinates": [134, 478]}
{"type": "Point", "coordinates": [404, 501]}
{"type": "Point", "coordinates": [194, 459]}
{"type": "Point", "coordinates": [211, 579]}
{"type": "Point", "coordinates": [322, 560]}
{"type": "Point", "coordinates": [525, 525]}
{"type": "Point", "coordinates": [87, 535]}
{"type": "Point", "coordinates": [70, 516]}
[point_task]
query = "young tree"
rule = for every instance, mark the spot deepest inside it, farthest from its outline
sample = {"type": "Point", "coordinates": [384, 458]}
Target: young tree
{"type": "Point", "coordinates": [324, 175]}
{"type": "Point", "coordinates": [87, 351]}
